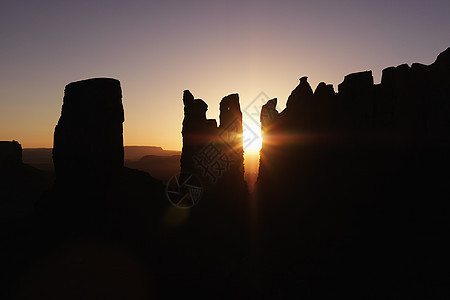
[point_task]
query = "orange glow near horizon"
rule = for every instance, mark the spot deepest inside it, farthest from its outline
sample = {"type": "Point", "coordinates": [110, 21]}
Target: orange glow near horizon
{"type": "Point", "coordinates": [211, 48]}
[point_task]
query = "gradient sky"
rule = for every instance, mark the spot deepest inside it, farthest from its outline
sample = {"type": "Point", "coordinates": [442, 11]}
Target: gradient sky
{"type": "Point", "coordinates": [213, 48]}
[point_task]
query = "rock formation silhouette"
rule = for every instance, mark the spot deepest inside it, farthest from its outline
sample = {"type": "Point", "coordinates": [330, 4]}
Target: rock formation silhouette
{"type": "Point", "coordinates": [197, 131]}
{"type": "Point", "coordinates": [116, 220]}
{"type": "Point", "coordinates": [96, 209]}
{"type": "Point", "coordinates": [352, 199]}
{"type": "Point", "coordinates": [93, 190]}
{"type": "Point", "coordinates": [10, 154]}
{"type": "Point", "coordinates": [363, 172]}
{"type": "Point", "coordinates": [215, 154]}
{"type": "Point", "coordinates": [21, 185]}
{"type": "Point", "coordinates": [231, 134]}
{"type": "Point", "coordinates": [269, 115]}
{"type": "Point", "coordinates": [88, 141]}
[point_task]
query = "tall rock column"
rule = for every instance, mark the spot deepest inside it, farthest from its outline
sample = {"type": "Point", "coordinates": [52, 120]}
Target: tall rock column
{"type": "Point", "coordinates": [197, 131]}
{"type": "Point", "coordinates": [231, 134]}
{"type": "Point", "coordinates": [269, 118]}
{"type": "Point", "coordinates": [299, 107]}
{"type": "Point", "coordinates": [269, 115]}
{"type": "Point", "coordinates": [214, 154]}
{"type": "Point", "coordinates": [88, 139]}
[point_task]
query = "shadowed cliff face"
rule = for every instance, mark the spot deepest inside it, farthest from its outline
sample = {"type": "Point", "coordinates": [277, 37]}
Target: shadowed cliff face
{"type": "Point", "coordinates": [363, 172]}
{"type": "Point", "coordinates": [409, 107]}
{"type": "Point", "coordinates": [301, 95]}
{"type": "Point", "coordinates": [406, 115]}
{"type": "Point", "coordinates": [88, 141]}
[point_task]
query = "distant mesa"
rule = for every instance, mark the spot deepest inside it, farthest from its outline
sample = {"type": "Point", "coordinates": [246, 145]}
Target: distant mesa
{"type": "Point", "coordinates": [137, 152]}
{"type": "Point", "coordinates": [41, 158]}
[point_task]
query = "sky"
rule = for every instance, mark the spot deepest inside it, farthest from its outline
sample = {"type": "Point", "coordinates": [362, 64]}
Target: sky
{"type": "Point", "coordinates": [258, 49]}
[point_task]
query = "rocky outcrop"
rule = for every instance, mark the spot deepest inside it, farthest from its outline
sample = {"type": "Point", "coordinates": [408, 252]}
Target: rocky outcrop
{"type": "Point", "coordinates": [215, 156]}
{"type": "Point", "coordinates": [231, 134]}
{"type": "Point", "coordinates": [300, 95]}
{"type": "Point", "coordinates": [10, 154]}
{"type": "Point", "coordinates": [21, 185]}
{"type": "Point", "coordinates": [197, 131]}
{"type": "Point", "coordinates": [213, 153]}
{"type": "Point", "coordinates": [339, 163]}
{"type": "Point", "coordinates": [409, 108]}
{"type": "Point", "coordinates": [356, 101]}
{"type": "Point", "coordinates": [88, 141]}
{"type": "Point", "coordinates": [230, 114]}
{"type": "Point", "coordinates": [298, 107]}
{"type": "Point", "coordinates": [323, 106]}
{"type": "Point", "coordinates": [88, 153]}
{"type": "Point", "coordinates": [356, 84]}
{"type": "Point", "coordinates": [269, 115]}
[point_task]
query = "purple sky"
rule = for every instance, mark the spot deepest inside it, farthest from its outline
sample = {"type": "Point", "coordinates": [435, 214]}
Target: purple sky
{"type": "Point", "coordinates": [213, 48]}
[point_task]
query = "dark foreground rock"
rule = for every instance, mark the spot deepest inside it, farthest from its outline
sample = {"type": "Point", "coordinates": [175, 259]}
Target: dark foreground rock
{"type": "Point", "coordinates": [353, 185]}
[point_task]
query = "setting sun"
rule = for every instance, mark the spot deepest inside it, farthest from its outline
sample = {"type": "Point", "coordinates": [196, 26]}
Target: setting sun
{"type": "Point", "coordinates": [252, 136]}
